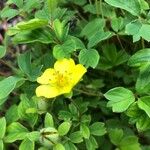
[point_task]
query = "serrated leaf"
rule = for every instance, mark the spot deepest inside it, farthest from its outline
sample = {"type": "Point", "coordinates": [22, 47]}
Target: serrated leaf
{"type": "Point", "coordinates": [85, 131]}
{"type": "Point", "coordinates": [91, 143]}
{"type": "Point", "coordinates": [32, 24]}
{"type": "Point", "coordinates": [59, 146]}
{"type": "Point", "coordinates": [18, 3]}
{"type": "Point", "coordinates": [89, 58]}
{"type": "Point", "coordinates": [64, 128]}
{"type": "Point", "coordinates": [48, 122]}
{"type": "Point", "coordinates": [2, 127]}
{"type": "Point", "coordinates": [129, 143]}
{"type": "Point", "coordinates": [140, 58]}
{"type": "Point", "coordinates": [33, 136]}
{"type": "Point", "coordinates": [119, 98]}
{"type": "Point", "coordinates": [144, 104]}
{"type": "Point", "coordinates": [98, 129]}
{"type": "Point", "coordinates": [9, 13]}
{"type": "Point", "coordinates": [24, 63]}
{"type": "Point", "coordinates": [23, 106]}
{"type": "Point", "coordinates": [131, 6]}
{"type": "Point", "coordinates": [2, 51]}
{"type": "Point", "coordinates": [70, 146]}
{"type": "Point", "coordinates": [12, 114]}
{"type": "Point", "coordinates": [27, 144]}
{"type": "Point", "coordinates": [76, 137]}
{"type": "Point", "coordinates": [7, 85]}
{"type": "Point", "coordinates": [143, 80]}
{"type": "Point", "coordinates": [115, 136]}
{"type": "Point", "coordinates": [98, 37]}
{"type": "Point", "coordinates": [37, 35]}
{"type": "Point", "coordinates": [65, 50]}
{"type": "Point", "coordinates": [15, 131]}
{"type": "Point", "coordinates": [93, 27]}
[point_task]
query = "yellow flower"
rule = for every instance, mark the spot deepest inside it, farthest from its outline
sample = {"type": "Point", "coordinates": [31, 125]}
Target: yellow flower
{"type": "Point", "coordinates": [61, 79]}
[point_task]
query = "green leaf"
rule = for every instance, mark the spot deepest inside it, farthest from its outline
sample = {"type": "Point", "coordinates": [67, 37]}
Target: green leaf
{"type": "Point", "coordinates": [60, 30]}
{"type": "Point", "coordinates": [139, 117]}
{"type": "Point", "coordinates": [48, 122]}
{"type": "Point", "coordinates": [93, 27]}
{"type": "Point", "coordinates": [15, 131]}
{"type": "Point", "coordinates": [143, 80]}
{"type": "Point", "coordinates": [52, 5]}
{"type": "Point", "coordinates": [76, 137]}
{"type": "Point", "coordinates": [131, 6]}
{"type": "Point", "coordinates": [64, 128]}
{"type": "Point", "coordinates": [117, 24]}
{"type": "Point", "coordinates": [27, 144]}
{"type": "Point", "coordinates": [59, 147]}
{"type": "Point", "coordinates": [2, 127]}
{"type": "Point", "coordinates": [18, 3]}
{"type": "Point", "coordinates": [129, 143]}
{"type": "Point", "coordinates": [97, 129]}
{"type": "Point", "coordinates": [32, 24]}
{"type": "Point", "coordinates": [9, 13]}
{"type": "Point", "coordinates": [70, 146]}
{"type": "Point", "coordinates": [23, 107]}
{"type": "Point", "coordinates": [2, 51]}
{"type": "Point", "coordinates": [32, 36]}
{"type": "Point", "coordinates": [89, 58]}
{"type": "Point", "coordinates": [144, 104]}
{"type": "Point", "coordinates": [12, 114]}
{"type": "Point", "coordinates": [91, 143]}
{"type": "Point", "coordinates": [7, 85]}
{"type": "Point", "coordinates": [140, 58]}
{"type": "Point", "coordinates": [137, 30]}
{"type": "Point", "coordinates": [65, 50]}
{"type": "Point", "coordinates": [119, 98]}
{"type": "Point", "coordinates": [33, 136]}
{"type": "Point", "coordinates": [85, 131]}
{"type": "Point", "coordinates": [98, 37]}
{"type": "Point", "coordinates": [24, 63]}
{"type": "Point", "coordinates": [1, 145]}
{"type": "Point", "coordinates": [116, 136]}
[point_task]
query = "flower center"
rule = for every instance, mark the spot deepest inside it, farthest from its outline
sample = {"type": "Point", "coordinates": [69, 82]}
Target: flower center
{"type": "Point", "coordinates": [61, 80]}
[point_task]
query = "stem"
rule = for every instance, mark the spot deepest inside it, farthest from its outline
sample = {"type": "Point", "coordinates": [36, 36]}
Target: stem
{"type": "Point", "coordinates": [89, 94]}
{"type": "Point", "coordinates": [101, 9]}
{"type": "Point", "coordinates": [90, 2]}
{"type": "Point", "coordinates": [120, 42]}
{"type": "Point", "coordinates": [96, 4]}
{"type": "Point", "coordinates": [142, 42]}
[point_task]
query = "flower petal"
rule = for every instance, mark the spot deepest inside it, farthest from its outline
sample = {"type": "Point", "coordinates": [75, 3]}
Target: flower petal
{"type": "Point", "coordinates": [64, 65]}
{"type": "Point", "coordinates": [77, 74]}
{"type": "Point", "coordinates": [47, 91]}
{"type": "Point", "coordinates": [46, 76]}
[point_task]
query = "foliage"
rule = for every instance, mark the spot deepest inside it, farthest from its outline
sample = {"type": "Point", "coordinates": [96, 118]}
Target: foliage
{"type": "Point", "coordinates": [109, 108]}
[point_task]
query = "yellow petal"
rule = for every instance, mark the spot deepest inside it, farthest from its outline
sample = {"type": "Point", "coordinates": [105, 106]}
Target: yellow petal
{"type": "Point", "coordinates": [47, 91]}
{"type": "Point", "coordinates": [66, 89]}
{"type": "Point", "coordinates": [64, 65]}
{"type": "Point", "coordinates": [47, 76]}
{"type": "Point", "coordinates": [77, 74]}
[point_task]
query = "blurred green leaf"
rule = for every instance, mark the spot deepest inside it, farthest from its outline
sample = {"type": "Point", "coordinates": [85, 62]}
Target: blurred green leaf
{"type": "Point", "coordinates": [144, 104]}
{"type": "Point", "coordinates": [26, 143]}
{"type": "Point", "coordinates": [64, 128]}
{"type": "Point", "coordinates": [2, 127]}
{"type": "Point", "coordinates": [131, 6]}
{"type": "Point", "coordinates": [98, 129]}
{"type": "Point", "coordinates": [48, 122]}
{"type": "Point", "coordinates": [140, 58]}
{"type": "Point", "coordinates": [15, 131]}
